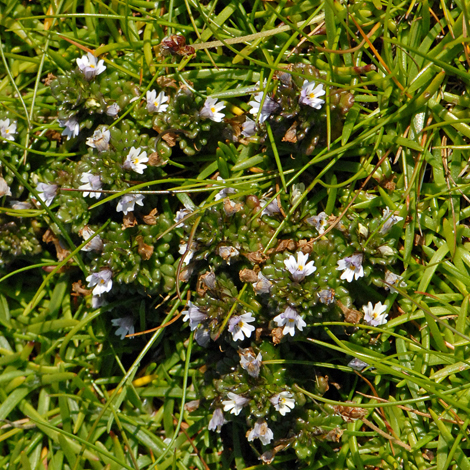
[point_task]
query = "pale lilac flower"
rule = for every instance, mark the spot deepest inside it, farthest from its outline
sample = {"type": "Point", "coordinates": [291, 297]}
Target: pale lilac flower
{"type": "Point", "coordinates": [290, 319]}
{"type": "Point", "coordinates": [181, 214]}
{"type": "Point", "coordinates": [310, 94]}
{"type": "Point", "coordinates": [89, 66]}
{"type": "Point", "coordinates": [227, 253]}
{"type": "Point", "coordinates": [249, 127]}
{"type": "Point", "coordinates": [126, 326]}
{"type": "Point", "coordinates": [156, 104]}
{"type": "Point", "coordinates": [97, 301]}
{"type": "Point", "coordinates": [20, 205]}
{"type": "Point", "coordinates": [202, 337]}
{"type": "Point", "coordinates": [326, 296]}
{"type": "Point", "coordinates": [93, 183]}
{"type": "Point", "coordinates": [263, 285]}
{"type": "Point", "coordinates": [217, 420]}
{"type": "Point", "coordinates": [47, 192]}
{"type": "Point", "coordinates": [250, 362]}
{"type": "Point", "coordinates": [113, 110]}
{"type": "Point", "coordinates": [235, 403]}
{"type": "Point", "coordinates": [7, 130]}
{"type": "Point", "coordinates": [390, 220]}
{"type": "Point", "coordinates": [4, 188]}
{"type": "Point", "coordinates": [271, 208]}
{"type": "Point", "coordinates": [352, 267]}
{"type": "Point", "coordinates": [72, 127]}
{"type": "Point", "coordinates": [96, 244]}
{"type": "Point", "coordinates": [319, 222]}
{"type": "Point", "coordinates": [223, 193]}
{"type": "Point", "coordinates": [136, 160]}
{"type": "Point", "coordinates": [102, 281]}
{"type": "Point", "coordinates": [283, 402]}
{"type": "Point", "coordinates": [260, 431]}
{"type": "Point", "coordinates": [375, 316]}
{"type": "Point", "coordinates": [127, 203]}
{"type": "Point", "coordinates": [269, 106]}
{"type": "Point", "coordinates": [299, 269]}
{"type": "Point", "coordinates": [194, 315]}
{"type": "Point", "coordinates": [357, 364]}
{"type": "Point", "coordinates": [211, 110]}
{"type": "Point", "coordinates": [99, 140]}
{"type": "Point", "coordinates": [239, 326]}
{"type": "Point", "coordinates": [393, 279]}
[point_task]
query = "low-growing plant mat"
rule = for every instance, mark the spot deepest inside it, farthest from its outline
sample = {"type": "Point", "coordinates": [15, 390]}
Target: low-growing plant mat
{"type": "Point", "coordinates": [233, 235]}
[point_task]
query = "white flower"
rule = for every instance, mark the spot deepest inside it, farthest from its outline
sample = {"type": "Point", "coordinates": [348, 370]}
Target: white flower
{"type": "Point", "coordinates": [102, 281]}
{"type": "Point", "coordinates": [249, 127]}
{"type": "Point", "coordinates": [113, 110]}
{"type": "Point", "coordinates": [326, 296]}
{"type": "Point", "coordinates": [390, 220]}
{"type": "Point", "coordinates": [386, 250]}
{"type": "Point", "coordinates": [271, 208]}
{"type": "Point", "coordinates": [155, 104]}
{"type": "Point", "coordinates": [319, 222]}
{"type": "Point", "coordinates": [136, 160]}
{"type": "Point", "coordinates": [297, 191]}
{"type": "Point", "coordinates": [99, 140]}
{"type": "Point", "coordinates": [189, 255]}
{"type": "Point", "coordinates": [128, 201]}
{"type": "Point", "coordinates": [362, 230]}
{"type": "Point", "coordinates": [283, 402]}
{"type": "Point", "coordinates": [263, 285]}
{"type": "Point", "coordinates": [299, 269]}
{"type": "Point", "coordinates": [235, 403]}
{"type": "Point", "coordinates": [393, 279]}
{"type": "Point", "coordinates": [250, 362]}
{"type": "Point", "coordinates": [202, 337]}
{"type": "Point", "coordinates": [375, 316]}
{"type": "Point", "coordinates": [72, 127]}
{"type": "Point", "coordinates": [90, 67]}
{"type": "Point", "coordinates": [227, 253]}
{"type": "Point", "coordinates": [269, 106]}
{"type": "Point", "coordinates": [93, 183]}
{"type": "Point", "coordinates": [357, 364]}
{"type": "Point", "coordinates": [181, 214]}
{"type": "Point", "coordinates": [239, 326]}
{"type": "Point", "coordinates": [7, 130]}
{"type": "Point", "coordinates": [223, 193]}
{"type": "Point", "coordinates": [4, 188]}
{"type": "Point", "coordinates": [352, 267]}
{"type": "Point", "coordinates": [47, 192]}
{"type": "Point", "coordinates": [217, 420]}
{"type": "Point", "coordinates": [96, 244]}
{"type": "Point", "coordinates": [310, 94]}
{"type": "Point", "coordinates": [261, 432]}
{"type": "Point", "coordinates": [290, 319]}
{"type": "Point", "coordinates": [20, 205]}
{"type": "Point", "coordinates": [97, 301]}
{"type": "Point", "coordinates": [211, 110]}
{"type": "Point", "coordinates": [126, 326]}
{"type": "Point", "coordinates": [194, 315]}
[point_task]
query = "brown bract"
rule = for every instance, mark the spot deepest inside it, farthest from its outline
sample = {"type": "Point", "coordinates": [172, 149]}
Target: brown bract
{"type": "Point", "coordinates": [129, 221]}
{"type": "Point", "coordinates": [248, 275]}
{"type": "Point", "coordinates": [144, 250]}
{"type": "Point", "coordinates": [150, 219]}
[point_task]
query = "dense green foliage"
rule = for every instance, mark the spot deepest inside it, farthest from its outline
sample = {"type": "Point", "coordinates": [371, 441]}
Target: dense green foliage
{"type": "Point", "coordinates": [273, 196]}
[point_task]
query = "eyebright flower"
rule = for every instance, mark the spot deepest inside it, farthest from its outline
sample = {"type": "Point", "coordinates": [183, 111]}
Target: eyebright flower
{"type": "Point", "coordinates": [7, 130]}
{"type": "Point", "coordinates": [156, 104]}
{"type": "Point", "coordinates": [20, 205]}
{"type": "Point", "coordinates": [4, 188]}
{"type": "Point", "coordinates": [99, 140]}
{"type": "Point", "coordinates": [235, 403]}
{"type": "Point", "coordinates": [113, 110]}
{"type": "Point", "coordinates": [136, 160]}
{"type": "Point", "coordinates": [102, 281]}
{"type": "Point", "coordinates": [283, 402]}
{"type": "Point", "coordinates": [182, 250]}
{"type": "Point", "coordinates": [269, 106]}
{"type": "Point", "coordinates": [352, 267]}
{"type": "Point", "coordinates": [91, 182]}
{"type": "Point", "coordinates": [239, 326]}
{"type": "Point", "coordinates": [96, 244]}
{"type": "Point", "coordinates": [227, 253]}
{"type": "Point", "coordinates": [390, 220]}
{"type": "Point", "coordinates": [194, 315]}
{"type": "Point", "coordinates": [375, 316]}
{"type": "Point", "coordinates": [47, 192]}
{"type": "Point", "coordinates": [72, 127]}
{"type": "Point", "coordinates": [249, 127]}
{"type": "Point", "coordinates": [126, 326]}
{"type": "Point", "coordinates": [260, 431]}
{"type": "Point", "coordinates": [326, 296]}
{"type": "Point", "coordinates": [250, 362]}
{"type": "Point", "coordinates": [393, 279]}
{"type": "Point", "coordinates": [386, 250]}
{"type": "Point", "coordinates": [97, 301]}
{"type": "Point", "coordinates": [217, 420]}
{"type": "Point", "coordinates": [290, 319]}
{"type": "Point", "coordinates": [223, 193]}
{"type": "Point", "coordinates": [263, 285]}
{"type": "Point", "coordinates": [271, 208]}
{"type": "Point", "coordinates": [299, 269]}
{"type": "Point", "coordinates": [202, 337]}
{"type": "Point", "coordinates": [181, 214]}
{"type": "Point", "coordinates": [362, 230]}
{"type": "Point", "coordinates": [90, 67]}
{"type": "Point", "coordinates": [357, 364]}
{"type": "Point", "coordinates": [127, 203]}
{"type": "Point", "coordinates": [310, 94]}
{"type": "Point", "coordinates": [211, 110]}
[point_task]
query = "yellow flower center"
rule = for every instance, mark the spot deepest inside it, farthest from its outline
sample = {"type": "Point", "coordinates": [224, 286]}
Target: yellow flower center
{"type": "Point", "coordinates": [241, 324]}
{"type": "Point", "coordinates": [291, 320]}
{"type": "Point", "coordinates": [301, 267]}
{"type": "Point", "coordinates": [155, 103]}
{"type": "Point", "coordinates": [311, 96]}
{"type": "Point", "coordinates": [7, 131]}
{"type": "Point", "coordinates": [101, 281]}
{"type": "Point", "coordinates": [92, 66]}
{"type": "Point", "coordinates": [213, 109]}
